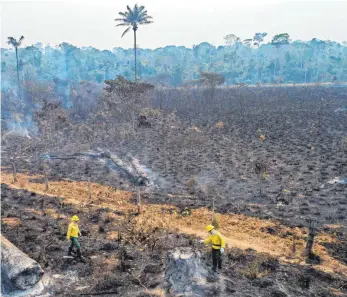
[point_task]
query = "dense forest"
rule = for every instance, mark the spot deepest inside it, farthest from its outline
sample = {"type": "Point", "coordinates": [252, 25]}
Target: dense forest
{"type": "Point", "coordinates": [74, 76]}
{"type": "Point", "coordinates": [250, 61]}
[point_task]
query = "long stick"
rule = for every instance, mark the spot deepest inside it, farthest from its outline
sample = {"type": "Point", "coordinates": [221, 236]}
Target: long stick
{"type": "Point", "coordinates": [212, 207]}
{"type": "Point", "coordinates": [46, 177]}
{"type": "Point", "coordinates": [19, 89]}
{"type": "Point", "coordinates": [99, 293]}
{"type": "Point", "coordinates": [139, 201]}
{"type": "Point", "coordinates": [89, 191]}
{"type": "Point", "coordinates": [141, 284]}
{"type": "Point", "coordinates": [14, 171]}
{"type": "Point", "coordinates": [135, 54]}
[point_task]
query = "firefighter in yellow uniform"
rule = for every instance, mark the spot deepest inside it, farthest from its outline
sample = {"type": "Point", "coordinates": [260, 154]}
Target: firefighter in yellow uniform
{"type": "Point", "coordinates": [218, 246]}
{"type": "Point", "coordinates": [72, 235]}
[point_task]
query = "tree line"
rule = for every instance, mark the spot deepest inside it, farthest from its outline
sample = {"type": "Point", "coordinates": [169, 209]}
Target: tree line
{"type": "Point", "coordinates": [249, 61]}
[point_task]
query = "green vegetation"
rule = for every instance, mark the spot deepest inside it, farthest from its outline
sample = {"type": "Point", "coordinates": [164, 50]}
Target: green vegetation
{"type": "Point", "coordinates": [248, 62]}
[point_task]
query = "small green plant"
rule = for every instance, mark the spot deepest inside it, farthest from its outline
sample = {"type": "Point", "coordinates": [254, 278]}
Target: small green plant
{"type": "Point", "coordinates": [265, 176]}
{"type": "Point", "coordinates": [61, 204]}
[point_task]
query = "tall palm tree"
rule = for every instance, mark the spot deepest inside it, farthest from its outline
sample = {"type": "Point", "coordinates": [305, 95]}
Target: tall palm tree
{"type": "Point", "coordinates": [132, 18]}
{"type": "Point", "coordinates": [13, 41]}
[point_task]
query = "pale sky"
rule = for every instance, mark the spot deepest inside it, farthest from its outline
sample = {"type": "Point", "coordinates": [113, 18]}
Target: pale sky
{"type": "Point", "coordinates": [176, 22]}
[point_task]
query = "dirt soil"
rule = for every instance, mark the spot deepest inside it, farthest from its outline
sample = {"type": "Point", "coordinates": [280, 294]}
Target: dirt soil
{"type": "Point", "coordinates": [260, 260]}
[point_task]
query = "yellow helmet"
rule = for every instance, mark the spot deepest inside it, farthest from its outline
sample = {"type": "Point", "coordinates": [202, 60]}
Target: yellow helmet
{"type": "Point", "coordinates": [209, 228]}
{"type": "Point", "coordinates": [75, 218]}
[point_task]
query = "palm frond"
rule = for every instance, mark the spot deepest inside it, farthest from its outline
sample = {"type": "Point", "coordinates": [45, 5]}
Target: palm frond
{"type": "Point", "coordinates": [145, 18]}
{"type": "Point", "coordinates": [146, 22]}
{"type": "Point", "coordinates": [125, 20]}
{"type": "Point", "coordinates": [124, 14]}
{"type": "Point", "coordinates": [142, 15]}
{"type": "Point", "coordinates": [141, 19]}
{"type": "Point", "coordinates": [136, 9]}
{"type": "Point", "coordinates": [129, 10]}
{"type": "Point", "coordinates": [133, 17]}
{"type": "Point", "coordinates": [143, 12]}
{"type": "Point", "coordinates": [123, 25]}
{"type": "Point", "coordinates": [12, 41]}
{"type": "Point", "coordinates": [141, 8]}
{"type": "Point", "coordinates": [130, 14]}
{"type": "Point", "coordinates": [126, 31]}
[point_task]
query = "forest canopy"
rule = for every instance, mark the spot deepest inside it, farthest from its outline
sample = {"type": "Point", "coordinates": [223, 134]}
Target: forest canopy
{"type": "Point", "coordinates": [248, 62]}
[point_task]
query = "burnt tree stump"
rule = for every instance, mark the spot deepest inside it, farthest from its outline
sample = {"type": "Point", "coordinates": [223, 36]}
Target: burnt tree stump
{"type": "Point", "coordinates": [143, 122]}
{"type": "Point", "coordinates": [186, 274]}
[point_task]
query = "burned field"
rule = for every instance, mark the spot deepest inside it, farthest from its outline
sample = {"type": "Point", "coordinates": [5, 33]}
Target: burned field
{"type": "Point", "coordinates": [298, 171]}
{"type": "Point", "coordinates": [268, 152]}
{"type": "Point", "coordinates": [269, 160]}
{"type": "Point", "coordinates": [127, 256]}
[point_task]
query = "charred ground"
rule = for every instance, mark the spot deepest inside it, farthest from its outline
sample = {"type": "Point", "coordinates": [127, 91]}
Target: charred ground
{"type": "Point", "coordinates": [203, 138]}
{"type": "Point", "coordinates": [122, 259]}
{"type": "Point", "coordinates": [201, 143]}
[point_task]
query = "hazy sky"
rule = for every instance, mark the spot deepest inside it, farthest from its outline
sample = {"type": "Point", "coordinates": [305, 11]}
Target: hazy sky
{"type": "Point", "coordinates": [176, 22]}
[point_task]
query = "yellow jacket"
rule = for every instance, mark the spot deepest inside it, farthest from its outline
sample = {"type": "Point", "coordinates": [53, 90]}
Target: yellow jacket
{"type": "Point", "coordinates": [217, 241]}
{"type": "Point", "coordinates": [73, 231]}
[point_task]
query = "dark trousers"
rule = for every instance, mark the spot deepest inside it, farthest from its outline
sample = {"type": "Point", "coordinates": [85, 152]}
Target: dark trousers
{"type": "Point", "coordinates": [216, 259]}
{"type": "Point", "coordinates": [74, 243]}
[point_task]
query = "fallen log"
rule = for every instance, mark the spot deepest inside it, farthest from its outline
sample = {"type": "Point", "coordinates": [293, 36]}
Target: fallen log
{"type": "Point", "coordinates": [18, 271]}
{"type": "Point", "coordinates": [131, 169]}
{"type": "Point", "coordinates": [99, 293]}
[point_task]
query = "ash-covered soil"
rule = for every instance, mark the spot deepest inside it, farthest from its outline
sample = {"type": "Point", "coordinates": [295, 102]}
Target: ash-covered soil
{"type": "Point", "coordinates": [37, 225]}
{"type": "Point", "coordinates": [297, 172]}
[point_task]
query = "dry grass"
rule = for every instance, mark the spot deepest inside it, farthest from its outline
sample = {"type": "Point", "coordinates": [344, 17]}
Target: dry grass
{"type": "Point", "coordinates": [12, 222]}
{"type": "Point", "coordinates": [51, 212]}
{"type": "Point", "coordinates": [239, 231]}
{"type": "Point", "coordinates": [157, 292]}
{"type": "Point", "coordinates": [112, 235]}
{"type": "Point", "coordinates": [72, 192]}
{"type": "Point", "coordinates": [216, 221]}
{"type": "Point", "coordinates": [254, 270]}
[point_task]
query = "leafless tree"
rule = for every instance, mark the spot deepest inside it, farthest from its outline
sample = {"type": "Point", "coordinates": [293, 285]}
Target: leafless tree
{"type": "Point", "coordinates": [16, 147]}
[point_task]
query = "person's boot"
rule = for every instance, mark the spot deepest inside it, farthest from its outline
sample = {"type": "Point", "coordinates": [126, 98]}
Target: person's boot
{"type": "Point", "coordinates": [79, 255]}
{"type": "Point", "coordinates": [70, 251]}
